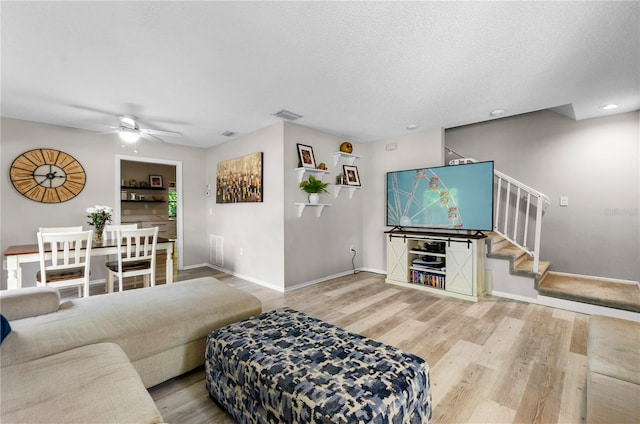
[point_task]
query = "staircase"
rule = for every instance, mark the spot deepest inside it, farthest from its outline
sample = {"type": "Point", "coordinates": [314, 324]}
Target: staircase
{"type": "Point", "coordinates": [569, 288]}
{"type": "Point", "coordinates": [518, 216]}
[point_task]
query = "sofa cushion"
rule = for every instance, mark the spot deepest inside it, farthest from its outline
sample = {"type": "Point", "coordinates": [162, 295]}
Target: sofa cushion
{"type": "Point", "coordinates": [90, 384]}
{"type": "Point", "coordinates": [613, 348]}
{"type": "Point", "coordinates": [144, 322]}
{"type": "Point", "coordinates": [29, 302]}
{"type": "Point", "coordinates": [611, 400]}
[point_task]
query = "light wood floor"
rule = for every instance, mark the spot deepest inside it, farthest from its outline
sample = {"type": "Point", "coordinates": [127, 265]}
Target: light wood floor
{"type": "Point", "coordinates": [496, 361]}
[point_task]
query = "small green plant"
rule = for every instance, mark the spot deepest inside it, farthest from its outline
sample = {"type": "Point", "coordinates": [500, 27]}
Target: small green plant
{"type": "Point", "coordinates": [314, 185]}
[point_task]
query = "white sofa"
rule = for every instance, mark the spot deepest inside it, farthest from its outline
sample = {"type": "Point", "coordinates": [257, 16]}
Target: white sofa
{"type": "Point", "coordinates": [90, 359]}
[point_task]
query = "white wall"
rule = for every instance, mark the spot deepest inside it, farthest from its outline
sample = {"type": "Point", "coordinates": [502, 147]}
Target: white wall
{"type": "Point", "coordinates": [21, 216]}
{"type": "Point", "coordinates": [594, 162]}
{"type": "Point", "coordinates": [252, 233]}
{"type": "Point", "coordinates": [414, 150]}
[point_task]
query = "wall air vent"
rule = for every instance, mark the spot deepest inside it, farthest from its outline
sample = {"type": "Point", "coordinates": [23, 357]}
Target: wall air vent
{"type": "Point", "coordinates": [288, 115]}
{"type": "Point", "coordinates": [228, 133]}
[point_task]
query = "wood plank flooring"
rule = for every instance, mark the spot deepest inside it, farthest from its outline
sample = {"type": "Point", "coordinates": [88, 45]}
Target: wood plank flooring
{"type": "Point", "coordinates": [495, 361]}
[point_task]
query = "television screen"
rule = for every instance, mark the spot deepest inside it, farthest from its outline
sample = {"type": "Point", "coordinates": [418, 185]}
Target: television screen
{"type": "Point", "coordinates": [449, 197]}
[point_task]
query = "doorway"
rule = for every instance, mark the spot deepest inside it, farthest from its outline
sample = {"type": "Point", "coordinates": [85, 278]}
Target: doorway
{"type": "Point", "coordinates": [149, 192]}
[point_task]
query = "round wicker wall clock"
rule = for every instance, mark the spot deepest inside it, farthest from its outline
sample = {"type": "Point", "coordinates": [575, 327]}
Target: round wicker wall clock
{"type": "Point", "coordinates": [47, 175]}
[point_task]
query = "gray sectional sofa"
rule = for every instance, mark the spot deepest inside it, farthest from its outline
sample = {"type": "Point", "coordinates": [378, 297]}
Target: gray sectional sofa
{"type": "Point", "coordinates": [613, 371]}
{"type": "Point", "coordinates": [90, 359]}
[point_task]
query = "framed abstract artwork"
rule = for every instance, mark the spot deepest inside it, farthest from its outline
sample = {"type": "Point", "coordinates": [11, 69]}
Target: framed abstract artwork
{"type": "Point", "coordinates": [240, 180]}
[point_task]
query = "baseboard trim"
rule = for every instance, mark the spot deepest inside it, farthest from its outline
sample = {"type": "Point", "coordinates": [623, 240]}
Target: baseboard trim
{"type": "Point", "coordinates": [514, 297]}
{"type": "Point", "coordinates": [246, 277]}
{"type": "Point", "coordinates": [319, 280]}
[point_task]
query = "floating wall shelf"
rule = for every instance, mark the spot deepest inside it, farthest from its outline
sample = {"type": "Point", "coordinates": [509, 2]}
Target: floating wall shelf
{"type": "Point", "coordinates": [335, 189]}
{"type": "Point", "coordinates": [319, 208]}
{"type": "Point", "coordinates": [318, 173]}
{"type": "Point", "coordinates": [348, 158]}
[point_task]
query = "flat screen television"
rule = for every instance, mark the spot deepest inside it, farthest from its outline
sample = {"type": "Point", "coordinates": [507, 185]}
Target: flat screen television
{"type": "Point", "coordinates": [456, 197]}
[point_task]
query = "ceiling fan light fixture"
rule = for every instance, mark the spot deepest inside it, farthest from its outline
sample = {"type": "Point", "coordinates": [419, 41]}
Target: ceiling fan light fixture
{"type": "Point", "coordinates": [128, 121]}
{"type": "Point", "coordinates": [128, 136]}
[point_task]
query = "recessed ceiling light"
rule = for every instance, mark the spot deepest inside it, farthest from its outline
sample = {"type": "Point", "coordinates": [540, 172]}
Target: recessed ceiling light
{"type": "Point", "coordinates": [609, 106]}
{"type": "Point", "coordinates": [412, 126]}
{"type": "Point", "coordinates": [497, 112]}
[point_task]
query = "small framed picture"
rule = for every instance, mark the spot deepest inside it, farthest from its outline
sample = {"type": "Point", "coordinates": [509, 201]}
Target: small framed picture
{"type": "Point", "coordinates": [172, 184]}
{"type": "Point", "coordinates": [305, 153]}
{"type": "Point", "coordinates": [351, 172]}
{"type": "Point", "coordinates": [155, 181]}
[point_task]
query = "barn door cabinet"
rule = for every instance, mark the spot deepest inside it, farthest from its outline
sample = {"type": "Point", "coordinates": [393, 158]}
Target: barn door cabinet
{"type": "Point", "coordinates": [447, 264]}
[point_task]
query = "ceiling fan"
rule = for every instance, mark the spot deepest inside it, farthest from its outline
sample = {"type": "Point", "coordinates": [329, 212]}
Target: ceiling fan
{"type": "Point", "coordinates": [129, 131]}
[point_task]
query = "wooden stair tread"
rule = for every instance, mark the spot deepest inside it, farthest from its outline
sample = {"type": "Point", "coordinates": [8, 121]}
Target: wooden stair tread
{"type": "Point", "coordinates": [595, 292]}
{"type": "Point", "coordinates": [509, 251]}
{"type": "Point", "coordinates": [527, 266]}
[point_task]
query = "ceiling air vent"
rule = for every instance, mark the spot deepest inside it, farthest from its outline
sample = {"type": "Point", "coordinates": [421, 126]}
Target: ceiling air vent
{"type": "Point", "coordinates": [228, 133]}
{"type": "Point", "coordinates": [288, 115]}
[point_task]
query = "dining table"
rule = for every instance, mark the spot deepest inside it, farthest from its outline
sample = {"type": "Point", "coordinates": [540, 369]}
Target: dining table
{"type": "Point", "coordinates": [17, 255]}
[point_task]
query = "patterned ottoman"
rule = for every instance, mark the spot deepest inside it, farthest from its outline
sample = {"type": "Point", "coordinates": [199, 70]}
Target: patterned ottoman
{"type": "Point", "coordinates": [286, 367]}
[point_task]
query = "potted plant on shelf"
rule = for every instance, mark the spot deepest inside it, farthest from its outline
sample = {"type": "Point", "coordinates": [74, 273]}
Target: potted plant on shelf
{"type": "Point", "coordinates": [314, 187]}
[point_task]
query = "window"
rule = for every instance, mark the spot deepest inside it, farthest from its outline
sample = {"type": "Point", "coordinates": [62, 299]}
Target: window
{"type": "Point", "coordinates": [172, 200]}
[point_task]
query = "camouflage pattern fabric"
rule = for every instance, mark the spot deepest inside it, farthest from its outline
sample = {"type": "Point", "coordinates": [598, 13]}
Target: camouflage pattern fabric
{"type": "Point", "coordinates": [285, 367]}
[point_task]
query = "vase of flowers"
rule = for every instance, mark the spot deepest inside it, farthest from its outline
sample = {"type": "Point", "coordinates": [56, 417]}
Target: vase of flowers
{"type": "Point", "coordinates": [99, 216]}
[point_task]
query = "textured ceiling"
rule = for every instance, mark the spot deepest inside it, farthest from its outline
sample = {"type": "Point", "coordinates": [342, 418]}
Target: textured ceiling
{"type": "Point", "coordinates": [361, 70]}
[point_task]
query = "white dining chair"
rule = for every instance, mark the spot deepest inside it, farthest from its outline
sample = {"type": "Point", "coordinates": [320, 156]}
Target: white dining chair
{"type": "Point", "coordinates": [75, 229]}
{"type": "Point", "coordinates": [136, 256]}
{"type": "Point", "coordinates": [110, 231]}
{"type": "Point", "coordinates": [69, 261]}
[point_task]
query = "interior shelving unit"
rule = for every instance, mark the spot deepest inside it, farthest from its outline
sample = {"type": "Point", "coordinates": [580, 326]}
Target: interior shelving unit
{"type": "Point", "coordinates": [319, 207]}
{"type": "Point", "coordinates": [447, 264]}
{"type": "Point", "coordinates": [348, 158]}
{"type": "Point", "coordinates": [137, 189]}
{"type": "Point", "coordinates": [318, 173]}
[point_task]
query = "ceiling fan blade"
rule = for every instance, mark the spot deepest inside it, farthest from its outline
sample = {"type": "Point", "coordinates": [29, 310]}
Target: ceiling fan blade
{"type": "Point", "coordinates": [90, 126]}
{"type": "Point", "coordinates": [160, 133]}
{"type": "Point", "coordinates": [150, 137]}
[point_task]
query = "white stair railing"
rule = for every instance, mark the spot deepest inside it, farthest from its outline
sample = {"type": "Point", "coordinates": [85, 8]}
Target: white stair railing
{"type": "Point", "coordinates": [509, 212]}
{"type": "Point", "coordinates": [515, 203]}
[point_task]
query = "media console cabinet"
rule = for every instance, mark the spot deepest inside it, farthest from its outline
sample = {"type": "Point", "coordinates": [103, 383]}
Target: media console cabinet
{"type": "Point", "coordinates": [447, 264]}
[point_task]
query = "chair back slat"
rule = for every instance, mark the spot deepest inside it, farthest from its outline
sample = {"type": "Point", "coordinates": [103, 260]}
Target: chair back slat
{"type": "Point", "coordinates": [75, 229]}
{"type": "Point", "coordinates": [111, 231]}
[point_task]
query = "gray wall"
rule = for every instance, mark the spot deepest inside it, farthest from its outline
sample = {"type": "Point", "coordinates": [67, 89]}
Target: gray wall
{"type": "Point", "coordinates": [21, 217]}
{"type": "Point", "coordinates": [414, 150]}
{"type": "Point", "coordinates": [317, 247]}
{"type": "Point", "coordinates": [594, 162]}
{"type": "Point", "coordinates": [252, 233]}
